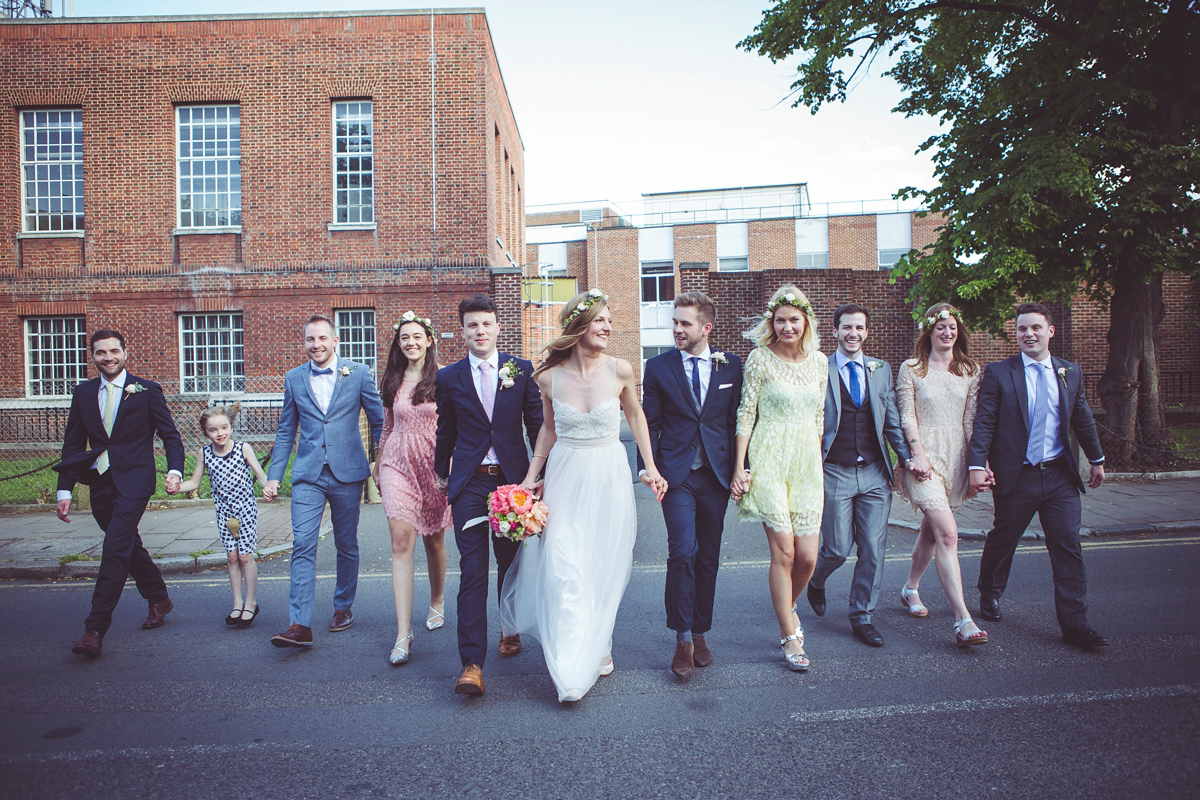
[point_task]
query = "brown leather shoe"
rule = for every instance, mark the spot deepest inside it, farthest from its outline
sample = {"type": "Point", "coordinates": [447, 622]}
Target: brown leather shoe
{"type": "Point", "coordinates": [341, 620]}
{"type": "Point", "coordinates": [156, 614]}
{"type": "Point", "coordinates": [90, 644]}
{"type": "Point", "coordinates": [701, 655]}
{"type": "Point", "coordinates": [682, 664]}
{"type": "Point", "coordinates": [471, 680]}
{"type": "Point", "coordinates": [294, 636]}
{"type": "Point", "coordinates": [509, 645]}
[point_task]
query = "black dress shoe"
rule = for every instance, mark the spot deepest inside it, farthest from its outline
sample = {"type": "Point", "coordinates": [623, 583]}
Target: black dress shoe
{"type": "Point", "coordinates": [1084, 637]}
{"type": "Point", "coordinates": [868, 634]}
{"type": "Point", "coordinates": [816, 599]}
{"type": "Point", "coordinates": [989, 609]}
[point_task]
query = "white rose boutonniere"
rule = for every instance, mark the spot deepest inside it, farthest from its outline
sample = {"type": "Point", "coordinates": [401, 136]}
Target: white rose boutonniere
{"type": "Point", "coordinates": [343, 372]}
{"type": "Point", "coordinates": [134, 388]}
{"type": "Point", "coordinates": [1062, 373]}
{"type": "Point", "coordinates": [719, 358]}
{"type": "Point", "coordinates": [873, 365]}
{"type": "Point", "coordinates": [508, 374]}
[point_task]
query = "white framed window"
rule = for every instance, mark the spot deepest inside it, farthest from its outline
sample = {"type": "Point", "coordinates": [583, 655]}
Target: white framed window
{"type": "Point", "coordinates": [56, 355]}
{"type": "Point", "coordinates": [658, 282]}
{"type": "Point", "coordinates": [812, 243]}
{"type": "Point", "coordinates": [211, 354]}
{"type": "Point", "coordinates": [356, 335]}
{"type": "Point", "coordinates": [52, 166]}
{"type": "Point", "coordinates": [893, 238]}
{"type": "Point", "coordinates": [209, 141]}
{"type": "Point", "coordinates": [353, 163]}
{"type": "Point", "coordinates": [812, 260]}
{"type": "Point", "coordinates": [888, 258]}
{"type": "Point", "coordinates": [740, 264]}
{"type": "Point", "coordinates": [733, 247]}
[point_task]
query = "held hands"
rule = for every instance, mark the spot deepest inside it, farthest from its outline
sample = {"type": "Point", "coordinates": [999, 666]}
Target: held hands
{"type": "Point", "coordinates": [270, 489]}
{"type": "Point", "coordinates": [982, 480]}
{"type": "Point", "coordinates": [171, 483]}
{"type": "Point", "coordinates": [740, 484]}
{"type": "Point", "coordinates": [1096, 477]}
{"type": "Point", "coordinates": [63, 508]}
{"type": "Point", "coordinates": [656, 482]}
{"type": "Point", "coordinates": [534, 486]}
{"type": "Point", "coordinates": [443, 486]}
{"type": "Point", "coordinates": [921, 468]}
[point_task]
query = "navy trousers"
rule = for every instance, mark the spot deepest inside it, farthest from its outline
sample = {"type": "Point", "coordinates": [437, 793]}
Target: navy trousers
{"type": "Point", "coordinates": [694, 513]}
{"type": "Point", "coordinates": [473, 565]}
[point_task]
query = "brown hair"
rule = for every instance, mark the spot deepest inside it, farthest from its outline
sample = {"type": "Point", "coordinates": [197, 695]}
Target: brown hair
{"type": "Point", "coordinates": [319, 318]}
{"type": "Point", "coordinates": [961, 362]}
{"type": "Point", "coordinates": [559, 349]}
{"type": "Point", "coordinates": [703, 304]}
{"type": "Point", "coordinates": [397, 363]}
{"type": "Point", "coordinates": [230, 412]}
{"type": "Point", "coordinates": [476, 302]}
{"type": "Point", "coordinates": [1035, 308]}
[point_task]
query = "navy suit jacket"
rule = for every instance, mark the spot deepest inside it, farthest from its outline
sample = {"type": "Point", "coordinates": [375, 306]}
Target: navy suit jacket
{"type": "Point", "coordinates": [678, 425]}
{"type": "Point", "coordinates": [1001, 433]}
{"type": "Point", "coordinates": [464, 433]}
{"type": "Point", "coordinates": [140, 416]}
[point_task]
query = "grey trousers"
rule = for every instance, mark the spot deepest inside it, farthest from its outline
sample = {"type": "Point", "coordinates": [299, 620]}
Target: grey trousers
{"type": "Point", "coordinates": [857, 503]}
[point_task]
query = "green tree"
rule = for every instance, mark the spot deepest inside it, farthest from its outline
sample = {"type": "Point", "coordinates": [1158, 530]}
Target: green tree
{"type": "Point", "coordinates": [1068, 158]}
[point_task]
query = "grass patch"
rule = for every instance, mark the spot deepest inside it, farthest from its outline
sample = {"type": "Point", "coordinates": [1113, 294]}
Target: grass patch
{"type": "Point", "coordinates": [1187, 438]}
{"type": "Point", "coordinates": [199, 553]}
{"type": "Point", "coordinates": [62, 562]}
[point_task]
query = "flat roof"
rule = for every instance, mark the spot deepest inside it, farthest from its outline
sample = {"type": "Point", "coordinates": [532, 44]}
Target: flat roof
{"type": "Point", "coordinates": [728, 189]}
{"type": "Point", "coordinates": [402, 12]}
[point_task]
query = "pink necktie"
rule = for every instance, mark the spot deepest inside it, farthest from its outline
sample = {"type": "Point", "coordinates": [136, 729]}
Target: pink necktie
{"type": "Point", "coordinates": [488, 385]}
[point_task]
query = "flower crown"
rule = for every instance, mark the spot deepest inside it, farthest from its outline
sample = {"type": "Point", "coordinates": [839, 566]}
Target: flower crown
{"type": "Point", "coordinates": [788, 299]}
{"type": "Point", "coordinates": [593, 296]}
{"type": "Point", "coordinates": [411, 316]}
{"type": "Point", "coordinates": [945, 313]}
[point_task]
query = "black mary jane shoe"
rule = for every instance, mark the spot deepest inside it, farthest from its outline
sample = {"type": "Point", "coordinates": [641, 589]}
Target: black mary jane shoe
{"type": "Point", "coordinates": [234, 617]}
{"type": "Point", "coordinates": [246, 623]}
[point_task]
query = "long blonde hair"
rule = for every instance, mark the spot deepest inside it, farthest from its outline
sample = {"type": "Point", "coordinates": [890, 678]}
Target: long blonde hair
{"type": "Point", "coordinates": [576, 317]}
{"type": "Point", "coordinates": [763, 333]}
{"type": "Point", "coordinates": [960, 362]}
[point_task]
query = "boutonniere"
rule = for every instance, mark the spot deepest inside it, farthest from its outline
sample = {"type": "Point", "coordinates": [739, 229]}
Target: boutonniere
{"type": "Point", "coordinates": [1062, 373]}
{"type": "Point", "coordinates": [508, 374]}
{"type": "Point", "coordinates": [134, 388]}
{"type": "Point", "coordinates": [873, 365]}
{"type": "Point", "coordinates": [719, 358]}
{"type": "Point", "coordinates": [343, 372]}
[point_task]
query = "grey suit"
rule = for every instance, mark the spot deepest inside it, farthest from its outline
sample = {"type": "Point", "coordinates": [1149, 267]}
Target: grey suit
{"type": "Point", "coordinates": [859, 498]}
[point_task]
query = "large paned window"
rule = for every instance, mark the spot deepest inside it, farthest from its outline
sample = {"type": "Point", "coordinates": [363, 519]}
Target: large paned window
{"type": "Point", "coordinates": [658, 282]}
{"type": "Point", "coordinates": [56, 355]}
{"type": "Point", "coordinates": [210, 166]}
{"type": "Point", "coordinates": [356, 335]}
{"type": "Point", "coordinates": [52, 164]}
{"type": "Point", "coordinates": [353, 163]}
{"type": "Point", "coordinates": [211, 357]}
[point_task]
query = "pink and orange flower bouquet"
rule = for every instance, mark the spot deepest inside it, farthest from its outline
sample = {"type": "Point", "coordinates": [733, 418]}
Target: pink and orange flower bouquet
{"type": "Point", "coordinates": [514, 513]}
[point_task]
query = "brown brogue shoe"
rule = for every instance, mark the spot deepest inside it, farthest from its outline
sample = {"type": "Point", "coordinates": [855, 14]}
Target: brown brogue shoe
{"type": "Point", "coordinates": [341, 620]}
{"type": "Point", "coordinates": [294, 636]}
{"type": "Point", "coordinates": [509, 645]}
{"type": "Point", "coordinates": [682, 664]}
{"type": "Point", "coordinates": [156, 614]}
{"type": "Point", "coordinates": [701, 655]}
{"type": "Point", "coordinates": [471, 681]}
{"type": "Point", "coordinates": [90, 644]}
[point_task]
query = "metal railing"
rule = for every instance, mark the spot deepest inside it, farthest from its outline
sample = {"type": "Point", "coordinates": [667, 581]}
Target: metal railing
{"type": "Point", "coordinates": [1175, 387]}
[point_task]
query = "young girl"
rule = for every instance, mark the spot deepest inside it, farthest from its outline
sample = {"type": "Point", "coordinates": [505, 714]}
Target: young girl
{"type": "Point", "coordinates": [233, 495]}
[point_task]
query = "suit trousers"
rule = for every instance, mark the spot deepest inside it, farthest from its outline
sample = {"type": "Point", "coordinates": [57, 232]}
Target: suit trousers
{"type": "Point", "coordinates": [308, 506]}
{"type": "Point", "coordinates": [472, 543]}
{"type": "Point", "coordinates": [123, 553]}
{"type": "Point", "coordinates": [694, 512]}
{"type": "Point", "coordinates": [857, 503]}
{"type": "Point", "coordinates": [1052, 495]}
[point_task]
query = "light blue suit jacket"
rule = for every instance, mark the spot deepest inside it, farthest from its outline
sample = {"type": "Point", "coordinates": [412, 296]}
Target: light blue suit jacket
{"type": "Point", "coordinates": [331, 437]}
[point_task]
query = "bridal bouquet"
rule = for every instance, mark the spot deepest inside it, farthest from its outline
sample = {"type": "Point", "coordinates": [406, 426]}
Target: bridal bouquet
{"type": "Point", "coordinates": [514, 513]}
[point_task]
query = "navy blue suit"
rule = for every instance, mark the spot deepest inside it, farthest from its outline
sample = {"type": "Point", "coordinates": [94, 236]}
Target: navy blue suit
{"type": "Point", "coordinates": [683, 435]}
{"type": "Point", "coordinates": [464, 436]}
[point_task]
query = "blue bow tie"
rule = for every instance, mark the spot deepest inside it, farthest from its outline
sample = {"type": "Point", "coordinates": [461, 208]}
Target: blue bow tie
{"type": "Point", "coordinates": [326, 371]}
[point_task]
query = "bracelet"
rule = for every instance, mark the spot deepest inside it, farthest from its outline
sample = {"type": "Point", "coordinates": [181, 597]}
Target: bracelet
{"type": "Point", "coordinates": [537, 455]}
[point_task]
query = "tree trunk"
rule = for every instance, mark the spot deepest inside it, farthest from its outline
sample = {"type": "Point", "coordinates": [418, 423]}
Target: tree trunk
{"type": "Point", "coordinates": [1134, 431]}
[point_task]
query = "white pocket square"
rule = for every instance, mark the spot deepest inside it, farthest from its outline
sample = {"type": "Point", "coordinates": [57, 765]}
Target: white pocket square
{"type": "Point", "coordinates": [724, 386]}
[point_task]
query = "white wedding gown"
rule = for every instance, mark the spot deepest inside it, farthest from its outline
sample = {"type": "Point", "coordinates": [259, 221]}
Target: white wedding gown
{"type": "Point", "coordinates": [565, 586]}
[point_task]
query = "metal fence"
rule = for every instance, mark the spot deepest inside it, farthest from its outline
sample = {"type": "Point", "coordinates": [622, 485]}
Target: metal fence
{"type": "Point", "coordinates": [1175, 388]}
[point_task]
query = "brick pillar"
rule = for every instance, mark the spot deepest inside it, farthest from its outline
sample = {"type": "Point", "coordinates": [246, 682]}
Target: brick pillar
{"type": "Point", "coordinates": [693, 276]}
{"type": "Point", "coordinates": [506, 291]}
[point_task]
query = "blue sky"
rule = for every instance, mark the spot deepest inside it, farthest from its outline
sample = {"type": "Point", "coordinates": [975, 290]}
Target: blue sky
{"type": "Point", "coordinates": [619, 97]}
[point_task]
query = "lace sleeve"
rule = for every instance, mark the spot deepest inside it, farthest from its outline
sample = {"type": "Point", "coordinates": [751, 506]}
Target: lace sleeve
{"type": "Point", "coordinates": [819, 422]}
{"type": "Point", "coordinates": [972, 403]}
{"type": "Point", "coordinates": [906, 401]}
{"type": "Point", "coordinates": [752, 378]}
{"type": "Point", "coordinates": [389, 422]}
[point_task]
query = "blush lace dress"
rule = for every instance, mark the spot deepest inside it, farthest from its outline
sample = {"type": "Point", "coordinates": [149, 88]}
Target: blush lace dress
{"type": "Point", "coordinates": [564, 587]}
{"type": "Point", "coordinates": [407, 482]}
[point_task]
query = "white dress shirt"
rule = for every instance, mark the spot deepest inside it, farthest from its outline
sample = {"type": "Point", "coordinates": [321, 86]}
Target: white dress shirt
{"type": "Point", "coordinates": [844, 371]}
{"type": "Point", "coordinates": [477, 379]}
{"type": "Point", "coordinates": [705, 367]}
{"type": "Point", "coordinates": [322, 385]}
{"type": "Point", "coordinates": [1052, 442]}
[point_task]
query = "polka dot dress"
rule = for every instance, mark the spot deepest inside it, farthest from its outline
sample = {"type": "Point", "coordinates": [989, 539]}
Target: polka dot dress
{"type": "Point", "coordinates": [233, 495]}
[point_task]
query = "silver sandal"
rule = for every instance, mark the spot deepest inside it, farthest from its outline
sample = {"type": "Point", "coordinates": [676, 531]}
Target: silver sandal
{"type": "Point", "coordinates": [399, 655]}
{"type": "Point", "coordinates": [797, 662]}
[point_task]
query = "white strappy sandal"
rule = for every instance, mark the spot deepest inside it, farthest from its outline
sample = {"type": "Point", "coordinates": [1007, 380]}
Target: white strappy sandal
{"type": "Point", "coordinates": [797, 662]}
{"type": "Point", "coordinates": [915, 609]}
{"type": "Point", "coordinates": [435, 619]}
{"type": "Point", "coordinates": [399, 654]}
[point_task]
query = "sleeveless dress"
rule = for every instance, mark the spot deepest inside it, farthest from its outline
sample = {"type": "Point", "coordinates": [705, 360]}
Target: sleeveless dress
{"type": "Point", "coordinates": [564, 587]}
{"type": "Point", "coordinates": [407, 482]}
{"type": "Point", "coordinates": [233, 496]}
{"type": "Point", "coordinates": [938, 409]}
{"type": "Point", "coordinates": [783, 413]}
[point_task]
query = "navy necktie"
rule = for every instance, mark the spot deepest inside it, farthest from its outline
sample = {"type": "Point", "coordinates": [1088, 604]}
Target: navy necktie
{"type": "Point", "coordinates": [855, 391]}
{"type": "Point", "coordinates": [696, 379]}
{"type": "Point", "coordinates": [326, 371]}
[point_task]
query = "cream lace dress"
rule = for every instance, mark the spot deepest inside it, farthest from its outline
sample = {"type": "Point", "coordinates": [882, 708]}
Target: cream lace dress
{"type": "Point", "coordinates": [783, 413]}
{"type": "Point", "coordinates": [938, 409]}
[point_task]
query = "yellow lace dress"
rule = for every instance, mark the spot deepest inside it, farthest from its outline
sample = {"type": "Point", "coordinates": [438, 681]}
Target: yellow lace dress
{"type": "Point", "coordinates": [938, 409]}
{"type": "Point", "coordinates": [783, 413]}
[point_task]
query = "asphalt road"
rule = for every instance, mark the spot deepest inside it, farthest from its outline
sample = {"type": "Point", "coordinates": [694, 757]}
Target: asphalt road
{"type": "Point", "coordinates": [199, 710]}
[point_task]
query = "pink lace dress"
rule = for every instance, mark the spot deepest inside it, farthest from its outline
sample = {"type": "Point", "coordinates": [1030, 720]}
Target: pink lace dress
{"type": "Point", "coordinates": [406, 478]}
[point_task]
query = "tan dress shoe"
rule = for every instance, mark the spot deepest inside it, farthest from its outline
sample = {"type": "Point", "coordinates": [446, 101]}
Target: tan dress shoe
{"type": "Point", "coordinates": [294, 636]}
{"type": "Point", "coordinates": [90, 644]}
{"type": "Point", "coordinates": [682, 664]}
{"type": "Point", "coordinates": [471, 680]}
{"type": "Point", "coordinates": [509, 645]}
{"type": "Point", "coordinates": [701, 655]}
{"type": "Point", "coordinates": [341, 620]}
{"type": "Point", "coordinates": [157, 613]}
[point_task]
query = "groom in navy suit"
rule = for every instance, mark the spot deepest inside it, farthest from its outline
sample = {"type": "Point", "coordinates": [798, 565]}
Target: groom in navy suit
{"type": "Point", "coordinates": [690, 396]}
{"type": "Point", "coordinates": [482, 401]}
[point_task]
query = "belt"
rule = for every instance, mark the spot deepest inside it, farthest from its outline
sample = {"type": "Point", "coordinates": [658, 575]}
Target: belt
{"type": "Point", "coordinates": [856, 465]}
{"type": "Point", "coordinates": [489, 469]}
{"type": "Point", "coordinates": [1054, 462]}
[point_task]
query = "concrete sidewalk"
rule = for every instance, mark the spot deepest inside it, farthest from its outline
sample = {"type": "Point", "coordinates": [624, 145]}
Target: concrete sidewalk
{"type": "Point", "coordinates": [36, 544]}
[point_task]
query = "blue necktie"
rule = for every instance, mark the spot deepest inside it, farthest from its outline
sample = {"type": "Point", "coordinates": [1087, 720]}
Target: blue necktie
{"type": "Point", "coordinates": [696, 379]}
{"type": "Point", "coordinates": [1039, 409]}
{"type": "Point", "coordinates": [855, 391]}
{"type": "Point", "coordinates": [326, 371]}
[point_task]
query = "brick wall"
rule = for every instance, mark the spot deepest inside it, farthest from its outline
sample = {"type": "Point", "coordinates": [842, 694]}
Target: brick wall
{"type": "Point", "coordinates": [616, 271]}
{"type": "Point", "coordinates": [852, 243]}
{"type": "Point", "coordinates": [773, 244]}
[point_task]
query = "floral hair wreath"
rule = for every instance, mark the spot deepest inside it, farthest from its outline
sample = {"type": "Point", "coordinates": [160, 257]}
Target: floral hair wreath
{"type": "Point", "coordinates": [788, 299]}
{"type": "Point", "coordinates": [411, 316]}
{"type": "Point", "coordinates": [593, 296]}
{"type": "Point", "coordinates": [945, 313]}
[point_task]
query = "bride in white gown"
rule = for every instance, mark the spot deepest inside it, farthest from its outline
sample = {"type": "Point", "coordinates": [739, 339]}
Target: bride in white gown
{"type": "Point", "coordinates": [565, 586]}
